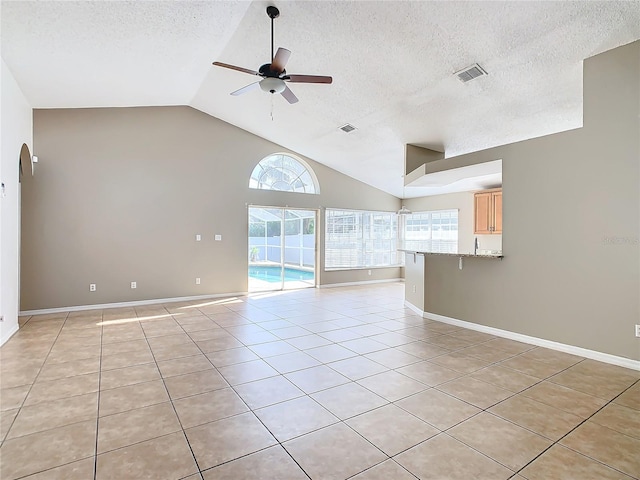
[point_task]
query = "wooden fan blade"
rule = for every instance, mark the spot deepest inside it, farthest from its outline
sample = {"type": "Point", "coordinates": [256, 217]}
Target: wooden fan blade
{"type": "Point", "coordinates": [308, 79]}
{"type": "Point", "coordinates": [289, 95]}
{"type": "Point", "coordinates": [280, 60]}
{"type": "Point", "coordinates": [248, 88]}
{"type": "Point", "coordinates": [233, 67]}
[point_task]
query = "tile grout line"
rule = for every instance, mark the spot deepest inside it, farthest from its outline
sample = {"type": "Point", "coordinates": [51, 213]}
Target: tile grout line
{"type": "Point", "coordinates": [344, 421]}
{"type": "Point", "coordinates": [5, 439]}
{"type": "Point", "coordinates": [351, 381]}
{"type": "Point", "coordinates": [95, 458]}
{"type": "Point", "coordinates": [340, 420]}
{"type": "Point", "coordinates": [486, 410]}
{"type": "Point", "coordinates": [354, 381]}
{"type": "Point", "coordinates": [249, 410]}
{"type": "Point", "coordinates": [557, 442]}
{"type": "Point", "coordinates": [482, 410]}
{"type": "Point", "coordinates": [42, 366]}
{"type": "Point", "coordinates": [390, 459]}
{"type": "Point", "coordinates": [22, 405]}
{"type": "Point", "coordinates": [184, 434]}
{"type": "Point", "coordinates": [536, 433]}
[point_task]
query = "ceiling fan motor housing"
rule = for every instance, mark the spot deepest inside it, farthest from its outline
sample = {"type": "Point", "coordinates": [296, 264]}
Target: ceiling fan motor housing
{"type": "Point", "coordinates": [265, 71]}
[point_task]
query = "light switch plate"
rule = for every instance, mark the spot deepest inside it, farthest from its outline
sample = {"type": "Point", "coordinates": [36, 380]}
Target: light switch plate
{"type": "Point", "coordinates": [218, 238]}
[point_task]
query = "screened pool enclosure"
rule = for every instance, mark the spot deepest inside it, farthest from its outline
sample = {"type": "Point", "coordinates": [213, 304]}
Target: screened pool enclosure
{"type": "Point", "coordinates": [282, 248]}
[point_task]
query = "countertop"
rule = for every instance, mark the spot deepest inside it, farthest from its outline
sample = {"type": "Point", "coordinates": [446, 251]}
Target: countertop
{"type": "Point", "coordinates": [464, 255]}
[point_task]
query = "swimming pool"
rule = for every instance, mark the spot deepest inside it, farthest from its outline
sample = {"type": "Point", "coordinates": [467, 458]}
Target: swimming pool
{"type": "Point", "coordinates": [274, 274]}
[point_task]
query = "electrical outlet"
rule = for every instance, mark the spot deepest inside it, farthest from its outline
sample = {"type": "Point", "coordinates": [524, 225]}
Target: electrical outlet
{"type": "Point", "coordinates": [414, 289]}
{"type": "Point", "coordinates": [197, 280]}
{"type": "Point", "coordinates": [218, 238]}
{"type": "Point", "coordinates": [92, 287]}
{"type": "Point", "coordinates": [134, 285]}
{"type": "Point", "coordinates": [637, 330]}
{"type": "Point", "coordinates": [369, 272]}
{"type": "Point", "coordinates": [198, 237]}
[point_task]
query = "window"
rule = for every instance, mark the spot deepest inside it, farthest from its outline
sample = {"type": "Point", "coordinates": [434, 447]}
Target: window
{"type": "Point", "coordinates": [283, 173]}
{"type": "Point", "coordinates": [358, 239]}
{"type": "Point", "coordinates": [435, 231]}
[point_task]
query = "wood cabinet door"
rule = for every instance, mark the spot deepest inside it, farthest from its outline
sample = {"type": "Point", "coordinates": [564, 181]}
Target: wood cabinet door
{"type": "Point", "coordinates": [483, 209]}
{"type": "Point", "coordinates": [497, 212]}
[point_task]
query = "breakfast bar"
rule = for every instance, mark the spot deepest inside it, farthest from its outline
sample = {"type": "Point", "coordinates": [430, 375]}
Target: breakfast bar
{"type": "Point", "coordinates": [448, 265]}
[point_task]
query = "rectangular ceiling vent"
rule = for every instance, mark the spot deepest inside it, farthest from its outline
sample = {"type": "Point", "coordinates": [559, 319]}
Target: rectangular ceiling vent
{"type": "Point", "coordinates": [469, 73]}
{"type": "Point", "coordinates": [347, 128]}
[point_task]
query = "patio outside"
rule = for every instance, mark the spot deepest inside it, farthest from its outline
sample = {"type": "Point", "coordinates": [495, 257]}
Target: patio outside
{"type": "Point", "coordinates": [282, 253]}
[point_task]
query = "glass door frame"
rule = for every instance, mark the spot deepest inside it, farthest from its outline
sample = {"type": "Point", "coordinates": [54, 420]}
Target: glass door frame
{"type": "Point", "coordinates": [282, 246]}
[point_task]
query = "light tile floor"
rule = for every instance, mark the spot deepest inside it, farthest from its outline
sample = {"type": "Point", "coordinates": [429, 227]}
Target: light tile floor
{"type": "Point", "coordinates": [323, 384]}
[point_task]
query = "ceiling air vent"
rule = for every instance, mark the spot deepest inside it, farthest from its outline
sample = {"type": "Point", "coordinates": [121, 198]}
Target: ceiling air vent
{"type": "Point", "coordinates": [347, 128]}
{"type": "Point", "coordinates": [469, 73]}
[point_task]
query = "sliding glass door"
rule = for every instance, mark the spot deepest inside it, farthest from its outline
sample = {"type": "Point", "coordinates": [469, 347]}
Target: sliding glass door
{"type": "Point", "coordinates": [282, 248]}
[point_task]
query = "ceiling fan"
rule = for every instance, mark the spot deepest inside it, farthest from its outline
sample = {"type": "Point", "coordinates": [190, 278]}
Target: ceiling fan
{"type": "Point", "coordinates": [273, 74]}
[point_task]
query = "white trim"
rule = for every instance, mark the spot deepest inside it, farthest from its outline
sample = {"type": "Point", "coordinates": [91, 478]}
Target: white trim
{"type": "Point", "coordinates": [540, 342]}
{"type": "Point", "coordinates": [366, 282]}
{"type": "Point", "coordinates": [295, 156]}
{"type": "Point", "coordinates": [130, 304]}
{"type": "Point", "coordinates": [376, 267]}
{"type": "Point", "coordinates": [9, 334]}
{"type": "Point", "coordinates": [411, 306]}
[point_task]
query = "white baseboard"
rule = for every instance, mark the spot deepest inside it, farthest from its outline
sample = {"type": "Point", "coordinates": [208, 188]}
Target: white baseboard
{"type": "Point", "coordinates": [540, 342]}
{"type": "Point", "coordinates": [412, 307]}
{"type": "Point", "coordinates": [8, 335]}
{"type": "Point", "coordinates": [136, 303]}
{"type": "Point", "coordinates": [366, 282]}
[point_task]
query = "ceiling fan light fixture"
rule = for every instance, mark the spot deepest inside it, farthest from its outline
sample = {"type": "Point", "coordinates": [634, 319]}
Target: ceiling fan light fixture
{"type": "Point", "coordinates": [272, 85]}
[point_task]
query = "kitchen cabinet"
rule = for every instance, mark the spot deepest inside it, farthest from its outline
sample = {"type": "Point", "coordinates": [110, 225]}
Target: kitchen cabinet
{"type": "Point", "coordinates": [488, 212]}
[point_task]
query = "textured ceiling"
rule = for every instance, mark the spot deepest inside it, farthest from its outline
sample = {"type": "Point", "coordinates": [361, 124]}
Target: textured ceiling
{"type": "Point", "coordinates": [392, 64]}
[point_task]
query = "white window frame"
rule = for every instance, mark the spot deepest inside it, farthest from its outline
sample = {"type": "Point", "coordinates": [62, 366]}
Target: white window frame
{"type": "Point", "coordinates": [423, 235]}
{"type": "Point", "coordinates": [284, 172]}
{"type": "Point", "coordinates": [358, 242]}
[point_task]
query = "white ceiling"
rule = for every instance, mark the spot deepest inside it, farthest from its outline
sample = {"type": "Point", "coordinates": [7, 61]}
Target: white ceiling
{"type": "Point", "coordinates": [391, 61]}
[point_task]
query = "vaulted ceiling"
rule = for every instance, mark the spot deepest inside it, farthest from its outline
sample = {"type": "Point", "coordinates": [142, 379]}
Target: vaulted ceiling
{"type": "Point", "coordinates": [392, 64]}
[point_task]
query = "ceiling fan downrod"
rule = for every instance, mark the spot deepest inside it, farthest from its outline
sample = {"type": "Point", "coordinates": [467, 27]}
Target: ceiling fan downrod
{"type": "Point", "coordinates": [273, 13]}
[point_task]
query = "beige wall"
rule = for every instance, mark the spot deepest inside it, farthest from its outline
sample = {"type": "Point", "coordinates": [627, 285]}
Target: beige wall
{"type": "Point", "coordinates": [571, 223]}
{"type": "Point", "coordinates": [121, 193]}
{"type": "Point", "coordinates": [15, 130]}
{"type": "Point", "coordinates": [414, 279]}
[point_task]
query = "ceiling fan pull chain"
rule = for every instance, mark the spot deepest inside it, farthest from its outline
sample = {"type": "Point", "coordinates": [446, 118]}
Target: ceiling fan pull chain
{"type": "Point", "coordinates": [272, 106]}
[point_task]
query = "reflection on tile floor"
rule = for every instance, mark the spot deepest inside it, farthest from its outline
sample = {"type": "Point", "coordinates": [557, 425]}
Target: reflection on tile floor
{"type": "Point", "coordinates": [323, 384]}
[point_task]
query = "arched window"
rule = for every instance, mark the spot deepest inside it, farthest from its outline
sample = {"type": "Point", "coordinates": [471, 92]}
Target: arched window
{"type": "Point", "coordinates": [283, 173]}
